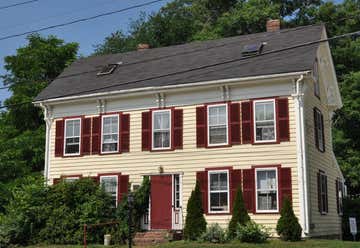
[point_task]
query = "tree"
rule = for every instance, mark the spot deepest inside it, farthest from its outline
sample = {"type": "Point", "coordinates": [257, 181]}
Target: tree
{"type": "Point", "coordinates": [22, 129]}
{"type": "Point", "coordinates": [288, 226]}
{"type": "Point", "coordinates": [195, 223]}
{"type": "Point", "coordinates": [240, 214]}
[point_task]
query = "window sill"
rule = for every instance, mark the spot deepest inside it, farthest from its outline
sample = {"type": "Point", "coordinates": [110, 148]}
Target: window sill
{"type": "Point", "coordinates": [271, 142]}
{"type": "Point", "coordinates": [161, 150]}
{"type": "Point", "coordinates": [267, 212]}
{"type": "Point", "coordinates": [71, 155]}
{"type": "Point", "coordinates": [217, 145]}
{"type": "Point", "coordinates": [218, 213]}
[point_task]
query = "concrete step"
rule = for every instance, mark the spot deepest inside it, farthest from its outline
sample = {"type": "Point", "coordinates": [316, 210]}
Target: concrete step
{"type": "Point", "coordinates": [151, 237]}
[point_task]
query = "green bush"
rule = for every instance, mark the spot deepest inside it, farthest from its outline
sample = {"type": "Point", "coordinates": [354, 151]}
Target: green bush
{"type": "Point", "coordinates": [195, 223]}
{"type": "Point", "coordinates": [351, 209]}
{"type": "Point", "coordinates": [240, 214]}
{"type": "Point", "coordinates": [37, 213]}
{"type": "Point", "coordinates": [252, 233]}
{"type": "Point", "coordinates": [215, 234]}
{"type": "Point", "coordinates": [288, 226]}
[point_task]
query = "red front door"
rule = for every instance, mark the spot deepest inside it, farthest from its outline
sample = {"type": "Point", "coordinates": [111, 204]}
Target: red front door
{"type": "Point", "coordinates": [161, 202]}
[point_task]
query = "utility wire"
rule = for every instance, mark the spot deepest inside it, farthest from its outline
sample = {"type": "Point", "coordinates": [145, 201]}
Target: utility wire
{"type": "Point", "coordinates": [17, 4]}
{"type": "Point", "coordinates": [79, 20]}
{"type": "Point", "coordinates": [357, 33]}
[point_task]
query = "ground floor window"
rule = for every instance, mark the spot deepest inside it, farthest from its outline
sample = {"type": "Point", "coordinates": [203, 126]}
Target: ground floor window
{"type": "Point", "coordinates": [322, 191]}
{"type": "Point", "coordinates": [266, 190]}
{"type": "Point", "coordinates": [218, 191]}
{"type": "Point", "coordinates": [110, 185]}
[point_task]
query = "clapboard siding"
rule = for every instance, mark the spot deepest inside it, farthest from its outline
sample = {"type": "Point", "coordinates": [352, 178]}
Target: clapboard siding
{"type": "Point", "coordinates": [188, 160]}
{"type": "Point", "coordinates": [329, 224]}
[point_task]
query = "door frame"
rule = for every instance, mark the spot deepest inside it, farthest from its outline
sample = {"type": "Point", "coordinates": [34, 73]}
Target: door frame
{"type": "Point", "coordinates": [179, 211]}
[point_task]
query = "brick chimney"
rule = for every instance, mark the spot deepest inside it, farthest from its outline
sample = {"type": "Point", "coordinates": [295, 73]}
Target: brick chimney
{"type": "Point", "coordinates": [272, 25]}
{"type": "Point", "coordinates": [143, 46]}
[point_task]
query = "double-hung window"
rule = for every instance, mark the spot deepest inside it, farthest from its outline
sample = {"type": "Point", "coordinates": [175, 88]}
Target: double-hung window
{"type": "Point", "coordinates": [161, 129]}
{"type": "Point", "coordinates": [218, 125]}
{"type": "Point", "coordinates": [70, 179]}
{"type": "Point", "coordinates": [266, 190]}
{"type": "Point", "coordinates": [72, 137]}
{"type": "Point", "coordinates": [110, 186]}
{"type": "Point", "coordinates": [264, 121]}
{"type": "Point", "coordinates": [110, 134]}
{"type": "Point", "coordinates": [218, 191]}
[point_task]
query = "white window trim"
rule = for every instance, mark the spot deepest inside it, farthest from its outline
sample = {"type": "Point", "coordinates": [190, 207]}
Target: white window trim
{"type": "Point", "coordinates": [208, 126]}
{"type": "Point", "coordinates": [117, 186]}
{"type": "Point", "coordinates": [152, 129]}
{"type": "Point", "coordinates": [277, 189]}
{"type": "Point", "coordinates": [322, 173]}
{"type": "Point", "coordinates": [217, 191]}
{"type": "Point", "coordinates": [72, 154]}
{"type": "Point", "coordinates": [102, 133]}
{"type": "Point", "coordinates": [341, 196]}
{"type": "Point", "coordinates": [275, 121]}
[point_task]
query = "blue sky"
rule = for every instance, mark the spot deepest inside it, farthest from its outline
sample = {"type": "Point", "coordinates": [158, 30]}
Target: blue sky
{"type": "Point", "coordinates": [49, 12]}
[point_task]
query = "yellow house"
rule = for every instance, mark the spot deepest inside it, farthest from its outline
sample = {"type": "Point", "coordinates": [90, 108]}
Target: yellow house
{"type": "Point", "coordinates": [252, 111]}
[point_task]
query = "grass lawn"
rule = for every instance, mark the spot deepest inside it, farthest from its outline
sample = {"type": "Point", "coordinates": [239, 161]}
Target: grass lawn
{"type": "Point", "coordinates": [270, 244]}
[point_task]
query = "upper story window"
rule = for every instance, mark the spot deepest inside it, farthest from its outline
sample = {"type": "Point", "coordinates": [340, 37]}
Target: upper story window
{"type": "Point", "coordinates": [218, 124]}
{"type": "Point", "coordinates": [110, 134]}
{"type": "Point", "coordinates": [266, 190]}
{"type": "Point", "coordinates": [319, 130]}
{"type": "Point", "coordinates": [110, 186]}
{"type": "Point", "coordinates": [322, 192]}
{"type": "Point", "coordinates": [72, 137]}
{"type": "Point", "coordinates": [316, 79]}
{"type": "Point", "coordinates": [218, 191]}
{"type": "Point", "coordinates": [161, 129]}
{"type": "Point", "coordinates": [264, 121]}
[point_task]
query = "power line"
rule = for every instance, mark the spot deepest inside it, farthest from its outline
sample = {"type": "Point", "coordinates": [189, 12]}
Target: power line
{"type": "Point", "coordinates": [17, 4]}
{"type": "Point", "coordinates": [79, 20]}
{"type": "Point", "coordinates": [357, 33]}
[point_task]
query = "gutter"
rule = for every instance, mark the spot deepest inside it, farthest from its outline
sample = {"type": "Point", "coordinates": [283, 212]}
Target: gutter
{"type": "Point", "coordinates": [157, 89]}
{"type": "Point", "coordinates": [48, 122]}
{"type": "Point", "coordinates": [301, 155]}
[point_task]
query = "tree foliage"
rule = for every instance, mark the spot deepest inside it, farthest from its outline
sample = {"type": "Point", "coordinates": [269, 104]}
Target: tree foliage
{"type": "Point", "coordinates": [288, 226]}
{"type": "Point", "coordinates": [239, 214]}
{"type": "Point", "coordinates": [195, 223]}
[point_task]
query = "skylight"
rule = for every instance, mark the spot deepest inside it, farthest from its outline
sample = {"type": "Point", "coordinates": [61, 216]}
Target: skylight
{"type": "Point", "coordinates": [252, 49]}
{"type": "Point", "coordinates": [108, 69]}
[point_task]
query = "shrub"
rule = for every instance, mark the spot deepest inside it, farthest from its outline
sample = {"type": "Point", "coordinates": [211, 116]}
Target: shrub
{"type": "Point", "coordinates": [56, 214]}
{"type": "Point", "coordinates": [215, 234]}
{"type": "Point", "coordinates": [288, 226]}
{"type": "Point", "coordinates": [195, 223]}
{"type": "Point", "coordinates": [252, 233]}
{"type": "Point", "coordinates": [240, 214]}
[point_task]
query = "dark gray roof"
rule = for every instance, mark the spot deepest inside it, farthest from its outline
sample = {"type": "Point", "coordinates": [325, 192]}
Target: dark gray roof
{"type": "Point", "coordinates": [189, 63]}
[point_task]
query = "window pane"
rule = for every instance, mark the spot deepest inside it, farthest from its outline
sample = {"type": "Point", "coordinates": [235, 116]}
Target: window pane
{"type": "Point", "coordinates": [76, 127]}
{"type": "Point", "coordinates": [218, 181]}
{"type": "Point", "coordinates": [218, 201]}
{"type": "Point", "coordinates": [161, 139]}
{"type": "Point", "coordinates": [110, 186]}
{"type": "Point", "coordinates": [265, 131]}
{"type": "Point", "coordinates": [217, 115]}
{"type": "Point", "coordinates": [69, 129]}
{"type": "Point", "coordinates": [267, 201]}
{"type": "Point", "coordinates": [161, 120]}
{"type": "Point", "coordinates": [217, 135]}
{"type": "Point", "coordinates": [109, 147]}
{"type": "Point", "coordinates": [260, 112]}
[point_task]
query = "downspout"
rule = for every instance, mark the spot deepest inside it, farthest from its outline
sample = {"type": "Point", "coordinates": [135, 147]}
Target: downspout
{"type": "Point", "coordinates": [301, 155]}
{"type": "Point", "coordinates": [48, 122]}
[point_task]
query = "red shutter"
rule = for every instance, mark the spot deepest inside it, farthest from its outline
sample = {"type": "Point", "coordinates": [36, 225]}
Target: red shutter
{"type": "Point", "coordinates": [235, 123]}
{"type": "Point", "coordinates": [96, 179]}
{"type": "Point", "coordinates": [316, 124]}
{"type": "Point", "coordinates": [249, 189]}
{"type": "Point", "coordinates": [56, 181]}
{"type": "Point", "coordinates": [323, 134]}
{"type": "Point", "coordinates": [85, 136]}
{"type": "Point", "coordinates": [123, 186]}
{"type": "Point", "coordinates": [96, 130]}
{"type": "Point", "coordinates": [319, 192]}
{"type": "Point", "coordinates": [337, 195]}
{"type": "Point", "coordinates": [284, 185]}
{"type": "Point", "coordinates": [201, 177]}
{"type": "Point", "coordinates": [178, 128]}
{"type": "Point", "coordinates": [146, 131]}
{"type": "Point", "coordinates": [59, 139]}
{"type": "Point", "coordinates": [201, 126]}
{"type": "Point", "coordinates": [247, 122]}
{"type": "Point", "coordinates": [124, 133]}
{"type": "Point", "coordinates": [234, 184]}
{"type": "Point", "coordinates": [282, 107]}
